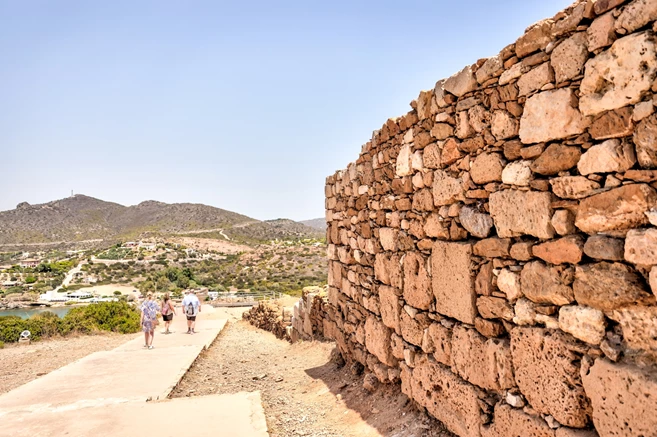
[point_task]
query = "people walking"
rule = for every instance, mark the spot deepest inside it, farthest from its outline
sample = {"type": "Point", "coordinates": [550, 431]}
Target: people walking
{"type": "Point", "coordinates": [148, 320]}
{"type": "Point", "coordinates": [191, 306]}
{"type": "Point", "coordinates": [167, 310]}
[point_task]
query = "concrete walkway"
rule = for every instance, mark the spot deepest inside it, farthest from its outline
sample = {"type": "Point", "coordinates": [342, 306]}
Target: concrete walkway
{"type": "Point", "coordinates": [124, 392]}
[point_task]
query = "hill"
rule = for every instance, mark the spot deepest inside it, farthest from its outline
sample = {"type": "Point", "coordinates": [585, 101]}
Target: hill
{"type": "Point", "coordinates": [318, 223]}
{"type": "Point", "coordinates": [81, 218]}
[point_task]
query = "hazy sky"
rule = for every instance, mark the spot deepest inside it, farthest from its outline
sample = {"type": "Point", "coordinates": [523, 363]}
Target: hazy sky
{"type": "Point", "coordinates": [244, 105]}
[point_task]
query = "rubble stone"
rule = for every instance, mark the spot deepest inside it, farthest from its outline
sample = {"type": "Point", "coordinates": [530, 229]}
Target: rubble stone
{"type": "Point", "coordinates": [645, 140]}
{"type": "Point", "coordinates": [604, 248]}
{"type": "Point", "coordinates": [536, 79]}
{"type": "Point", "coordinates": [568, 58]}
{"type": "Point", "coordinates": [636, 15]}
{"type": "Point", "coordinates": [517, 173]}
{"type": "Point", "coordinates": [607, 286]}
{"type": "Point", "coordinates": [563, 250]}
{"type": "Point", "coordinates": [476, 223]}
{"type": "Point", "coordinates": [509, 283]}
{"type": "Point", "coordinates": [461, 83]}
{"type": "Point", "coordinates": [446, 189]}
{"type": "Point", "coordinates": [573, 187]}
{"type": "Point", "coordinates": [417, 282]}
{"type": "Point", "coordinates": [521, 212]}
{"type": "Point", "coordinates": [543, 284]}
{"type": "Point", "coordinates": [641, 246]}
{"type": "Point", "coordinates": [610, 156]}
{"type": "Point", "coordinates": [556, 158]}
{"type": "Point", "coordinates": [583, 323]}
{"type": "Point", "coordinates": [377, 340]}
{"type": "Point", "coordinates": [511, 422]}
{"type": "Point", "coordinates": [551, 115]}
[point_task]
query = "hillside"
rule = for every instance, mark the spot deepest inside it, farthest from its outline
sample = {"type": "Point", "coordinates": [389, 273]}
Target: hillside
{"type": "Point", "coordinates": [80, 218]}
{"type": "Point", "coordinates": [318, 223]}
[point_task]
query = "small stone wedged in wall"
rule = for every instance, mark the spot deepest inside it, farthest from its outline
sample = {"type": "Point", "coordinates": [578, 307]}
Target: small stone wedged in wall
{"type": "Point", "coordinates": [497, 242]}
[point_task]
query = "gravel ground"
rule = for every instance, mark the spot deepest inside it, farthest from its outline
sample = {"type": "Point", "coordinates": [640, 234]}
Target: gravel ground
{"type": "Point", "coordinates": [20, 364]}
{"type": "Point", "coordinates": [304, 392]}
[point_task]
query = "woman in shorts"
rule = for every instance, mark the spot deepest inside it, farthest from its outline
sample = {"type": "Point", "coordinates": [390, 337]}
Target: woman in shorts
{"type": "Point", "coordinates": [167, 310]}
{"type": "Point", "coordinates": [148, 320]}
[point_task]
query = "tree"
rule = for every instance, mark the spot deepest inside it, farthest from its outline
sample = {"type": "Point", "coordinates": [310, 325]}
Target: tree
{"type": "Point", "coordinates": [163, 283]}
{"type": "Point", "coordinates": [117, 293]}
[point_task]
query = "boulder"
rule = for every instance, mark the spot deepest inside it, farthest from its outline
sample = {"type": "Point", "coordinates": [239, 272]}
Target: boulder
{"type": "Point", "coordinates": [620, 208]}
{"type": "Point", "coordinates": [630, 411]}
{"type": "Point", "coordinates": [535, 38]}
{"type": "Point", "coordinates": [608, 286]}
{"type": "Point", "coordinates": [543, 284]}
{"type": "Point", "coordinates": [619, 76]}
{"type": "Point", "coordinates": [547, 372]}
{"type": "Point", "coordinates": [461, 83]}
{"type": "Point", "coordinates": [551, 115]}
{"type": "Point", "coordinates": [636, 15]}
{"type": "Point", "coordinates": [516, 213]}
{"type": "Point", "coordinates": [601, 33]}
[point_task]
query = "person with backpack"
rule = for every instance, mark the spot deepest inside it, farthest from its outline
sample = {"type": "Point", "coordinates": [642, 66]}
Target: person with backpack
{"type": "Point", "coordinates": [191, 306]}
{"type": "Point", "coordinates": [167, 310]}
{"type": "Point", "coordinates": [149, 320]}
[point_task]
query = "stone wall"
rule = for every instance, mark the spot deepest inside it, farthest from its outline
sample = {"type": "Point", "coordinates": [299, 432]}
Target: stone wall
{"type": "Point", "coordinates": [494, 249]}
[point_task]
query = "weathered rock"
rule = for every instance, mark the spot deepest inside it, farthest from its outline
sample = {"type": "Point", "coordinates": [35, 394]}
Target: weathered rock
{"type": "Point", "coordinates": [652, 278]}
{"type": "Point", "coordinates": [642, 110]}
{"type": "Point", "coordinates": [489, 328]}
{"type": "Point", "coordinates": [452, 280]}
{"type": "Point", "coordinates": [607, 286]}
{"type": "Point", "coordinates": [390, 307]}
{"type": "Point", "coordinates": [543, 284]}
{"type": "Point", "coordinates": [619, 76]}
{"type": "Point", "coordinates": [521, 212]}
{"type": "Point", "coordinates": [613, 124]}
{"type": "Point", "coordinates": [489, 69]}
{"type": "Point", "coordinates": [512, 422]}
{"type": "Point", "coordinates": [487, 167]}
{"type": "Point", "coordinates": [547, 373]}
{"type": "Point", "coordinates": [417, 282]}
{"type": "Point", "coordinates": [377, 340]}
{"type": "Point", "coordinates": [641, 246]}
{"type": "Point", "coordinates": [492, 247]}
{"type": "Point", "coordinates": [568, 58]}
{"type": "Point", "coordinates": [446, 189]}
{"type": "Point", "coordinates": [605, 248]}
{"type": "Point", "coordinates": [556, 158]}
{"type": "Point", "coordinates": [630, 411]}
{"type": "Point", "coordinates": [563, 250]}
{"type": "Point", "coordinates": [636, 15]}
{"type": "Point", "coordinates": [478, 117]}
{"type": "Point", "coordinates": [639, 326]}
{"type": "Point", "coordinates": [481, 361]}
{"type": "Point", "coordinates": [439, 343]}
{"type": "Point", "coordinates": [563, 222]}
{"type": "Point", "coordinates": [584, 323]}
{"type": "Point", "coordinates": [387, 269]}
{"type": "Point", "coordinates": [442, 131]}
{"type": "Point", "coordinates": [573, 187]}
{"type": "Point", "coordinates": [620, 208]}
{"type": "Point", "coordinates": [645, 140]}
{"type": "Point", "coordinates": [602, 6]}
{"type": "Point", "coordinates": [517, 173]}
{"type": "Point", "coordinates": [551, 115]}
{"type": "Point", "coordinates": [511, 74]}
{"type": "Point", "coordinates": [412, 330]}
{"type": "Point", "coordinates": [445, 396]}
{"type": "Point", "coordinates": [522, 251]}
{"type": "Point", "coordinates": [461, 83]}
{"type": "Point", "coordinates": [536, 38]}
{"type": "Point", "coordinates": [494, 308]}
{"type": "Point", "coordinates": [610, 156]}
{"type": "Point", "coordinates": [536, 79]}
{"type": "Point", "coordinates": [525, 312]}
{"type": "Point", "coordinates": [435, 227]}
{"type": "Point", "coordinates": [509, 283]}
{"type": "Point", "coordinates": [601, 33]}
{"type": "Point", "coordinates": [478, 224]}
{"type": "Point", "coordinates": [503, 125]}
{"type": "Point", "coordinates": [388, 238]}
{"type": "Point", "coordinates": [403, 166]}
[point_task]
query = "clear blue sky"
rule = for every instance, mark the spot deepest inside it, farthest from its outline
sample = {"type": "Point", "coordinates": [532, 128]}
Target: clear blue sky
{"type": "Point", "coordinates": [246, 105]}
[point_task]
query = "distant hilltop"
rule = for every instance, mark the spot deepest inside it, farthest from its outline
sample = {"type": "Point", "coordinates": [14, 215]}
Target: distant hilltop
{"type": "Point", "coordinates": [82, 218]}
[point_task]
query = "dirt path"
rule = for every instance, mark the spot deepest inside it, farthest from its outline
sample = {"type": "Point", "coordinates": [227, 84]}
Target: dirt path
{"type": "Point", "coordinates": [304, 393]}
{"type": "Point", "coordinates": [22, 364]}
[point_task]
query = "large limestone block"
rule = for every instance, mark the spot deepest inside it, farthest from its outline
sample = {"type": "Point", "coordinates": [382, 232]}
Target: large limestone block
{"type": "Point", "coordinates": [608, 286]}
{"type": "Point", "coordinates": [641, 246]}
{"type": "Point", "coordinates": [568, 58]}
{"type": "Point", "coordinates": [551, 115]}
{"type": "Point", "coordinates": [513, 422]}
{"type": "Point", "coordinates": [620, 208]}
{"type": "Point", "coordinates": [547, 372]}
{"type": "Point", "coordinates": [545, 285]}
{"type": "Point", "coordinates": [610, 156]}
{"type": "Point", "coordinates": [636, 15]}
{"type": "Point", "coordinates": [619, 76]}
{"type": "Point", "coordinates": [461, 83]}
{"type": "Point", "coordinates": [584, 323]}
{"type": "Point", "coordinates": [645, 140]}
{"type": "Point", "coordinates": [388, 269]}
{"type": "Point", "coordinates": [573, 187]}
{"type": "Point", "coordinates": [446, 189]}
{"type": "Point", "coordinates": [623, 398]}
{"type": "Point", "coordinates": [517, 213]}
{"type": "Point", "coordinates": [390, 307]}
{"type": "Point", "coordinates": [417, 282]}
{"type": "Point", "coordinates": [452, 280]}
{"type": "Point", "coordinates": [445, 396]}
{"type": "Point", "coordinates": [484, 362]}
{"type": "Point", "coordinates": [412, 330]}
{"type": "Point", "coordinates": [377, 340]}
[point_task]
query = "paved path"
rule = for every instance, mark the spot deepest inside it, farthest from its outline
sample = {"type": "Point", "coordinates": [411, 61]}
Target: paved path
{"type": "Point", "coordinates": [120, 389]}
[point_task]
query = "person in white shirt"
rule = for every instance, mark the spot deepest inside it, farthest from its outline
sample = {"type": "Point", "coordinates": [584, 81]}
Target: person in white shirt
{"type": "Point", "coordinates": [191, 306]}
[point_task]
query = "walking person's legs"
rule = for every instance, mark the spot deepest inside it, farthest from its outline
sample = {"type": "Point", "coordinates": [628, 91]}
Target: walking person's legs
{"type": "Point", "coordinates": [146, 335]}
{"type": "Point", "coordinates": [152, 336]}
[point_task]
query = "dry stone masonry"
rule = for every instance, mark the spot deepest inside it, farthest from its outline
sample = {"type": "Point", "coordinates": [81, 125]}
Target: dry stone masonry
{"type": "Point", "coordinates": [494, 250]}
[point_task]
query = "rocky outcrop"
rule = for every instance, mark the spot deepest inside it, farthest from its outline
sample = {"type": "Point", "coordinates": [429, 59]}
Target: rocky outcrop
{"type": "Point", "coordinates": [494, 249]}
